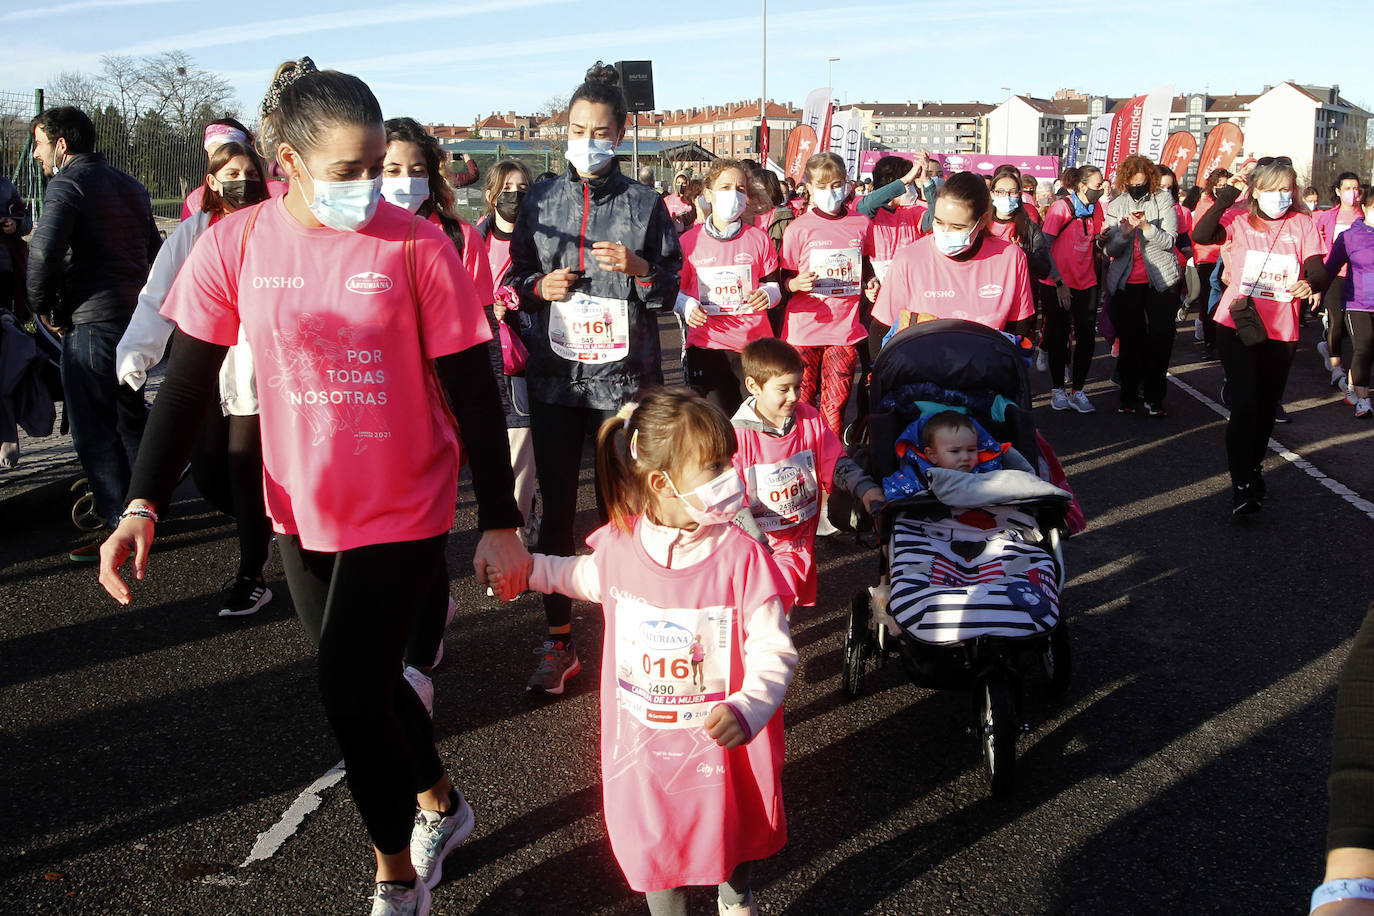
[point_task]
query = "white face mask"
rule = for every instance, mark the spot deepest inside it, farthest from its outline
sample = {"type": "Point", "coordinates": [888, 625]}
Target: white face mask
{"type": "Point", "coordinates": [589, 156]}
{"type": "Point", "coordinates": [828, 200]}
{"type": "Point", "coordinates": [344, 205]}
{"type": "Point", "coordinates": [952, 243]}
{"type": "Point", "coordinates": [1006, 206]}
{"type": "Point", "coordinates": [405, 191]}
{"type": "Point", "coordinates": [1274, 204]}
{"type": "Point", "coordinates": [722, 498]}
{"type": "Point", "coordinates": [728, 205]}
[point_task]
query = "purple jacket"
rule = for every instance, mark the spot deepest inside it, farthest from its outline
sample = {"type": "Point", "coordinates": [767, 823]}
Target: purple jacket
{"type": "Point", "coordinates": [1355, 246]}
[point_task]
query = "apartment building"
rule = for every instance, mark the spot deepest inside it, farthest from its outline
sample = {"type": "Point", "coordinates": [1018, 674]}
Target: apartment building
{"type": "Point", "coordinates": [941, 127]}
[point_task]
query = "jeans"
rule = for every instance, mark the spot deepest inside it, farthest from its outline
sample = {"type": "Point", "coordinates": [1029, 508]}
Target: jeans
{"type": "Point", "coordinates": [106, 418]}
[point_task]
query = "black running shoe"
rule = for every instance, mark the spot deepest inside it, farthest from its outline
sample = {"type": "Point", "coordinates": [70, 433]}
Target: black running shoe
{"type": "Point", "coordinates": [245, 596]}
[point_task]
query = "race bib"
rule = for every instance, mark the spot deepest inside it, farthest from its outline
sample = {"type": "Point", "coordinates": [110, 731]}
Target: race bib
{"type": "Point", "coordinates": [836, 270]}
{"type": "Point", "coordinates": [786, 493]}
{"type": "Point", "coordinates": [590, 329]}
{"type": "Point", "coordinates": [880, 269]}
{"type": "Point", "coordinates": [721, 290]}
{"type": "Point", "coordinates": [1269, 276]}
{"type": "Point", "coordinates": [672, 664]}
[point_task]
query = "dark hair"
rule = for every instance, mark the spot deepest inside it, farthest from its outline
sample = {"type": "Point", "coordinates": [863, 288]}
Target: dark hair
{"type": "Point", "coordinates": [969, 189]}
{"type": "Point", "coordinates": [1214, 176]}
{"type": "Point", "coordinates": [408, 130]}
{"type": "Point", "coordinates": [1367, 196]}
{"type": "Point", "coordinates": [1028, 183]}
{"type": "Point", "coordinates": [1310, 191]}
{"type": "Point", "coordinates": [316, 101]}
{"type": "Point", "coordinates": [211, 201]}
{"type": "Point", "coordinates": [601, 87]}
{"type": "Point", "coordinates": [67, 123]}
{"type": "Point", "coordinates": [1020, 221]}
{"type": "Point", "coordinates": [690, 192]}
{"type": "Point", "coordinates": [668, 428]}
{"type": "Point", "coordinates": [1173, 189]}
{"type": "Point", "coordinates": [1336, 186]}
{"type": "Point", "coordinates": [767, 358]}
{"type": "Point", "coordinates": [945, 420]}
{"type": "Point", "coordinates": [772, 187]}
{"type": "Point", "coordinates": [888, 169]}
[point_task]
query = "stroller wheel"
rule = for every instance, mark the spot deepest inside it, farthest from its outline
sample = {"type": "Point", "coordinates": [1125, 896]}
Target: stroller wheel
{"type": "Point", "coordinates": [84, 516]}
{"type": "Point", "coordinates": [856, 646]}
{"type": "Point", "coordinates": [997, 729]}
{"type": "Point", "coordinates": [1057, 660]}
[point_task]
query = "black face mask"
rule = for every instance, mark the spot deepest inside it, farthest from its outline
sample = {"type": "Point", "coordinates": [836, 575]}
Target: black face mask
{"type": "Point", "coordinates": [1093, 194]}
{"type": "Point", "coordinates": [241, 192]}
{"type": "Point", "coordinates": [1138, 191]}
{"type": "Point", "coordinates": [508, 204]}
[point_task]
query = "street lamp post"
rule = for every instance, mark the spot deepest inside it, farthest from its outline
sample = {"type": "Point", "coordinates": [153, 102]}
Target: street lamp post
{"type": "Point", "coordinates": [1006, 128]}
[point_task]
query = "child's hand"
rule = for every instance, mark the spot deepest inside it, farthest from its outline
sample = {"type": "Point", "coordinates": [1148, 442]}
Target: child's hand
{"type": "Point", "coordinates": [724, 727]}
{"type": "Point", "coordinates": [696, 316]}
{"type": "Point", "coordinates": [757, 300]}
{"type": "Point", "coordinates": [803, 283]}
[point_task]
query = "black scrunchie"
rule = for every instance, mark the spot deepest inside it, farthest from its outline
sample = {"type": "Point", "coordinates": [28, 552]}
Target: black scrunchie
{"type": "Point", "coordinates": [272, 100]}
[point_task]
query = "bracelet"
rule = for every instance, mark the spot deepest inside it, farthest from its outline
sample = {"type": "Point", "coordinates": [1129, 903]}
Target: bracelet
{"type": "Point", "coordinates": [143, 512]}
{"type": "Point", "coordinates": [1342, 889]}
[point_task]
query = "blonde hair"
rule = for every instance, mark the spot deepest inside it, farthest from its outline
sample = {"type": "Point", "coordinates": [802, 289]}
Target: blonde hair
{"type": "Point", "coordinates": [496, 180]}
{"type": "Point", "coordinates": [825, 167]}
{"type": "Point", "coordinates": [666, 430]}
{"type": "Point", "coordinates": [1268, 177]}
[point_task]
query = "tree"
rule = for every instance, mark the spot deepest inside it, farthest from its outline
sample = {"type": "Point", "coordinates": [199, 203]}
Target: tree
{"type": "Point", "coordinates": [72, 87]}
{"type": "Point", "coordinates": [182, 93]}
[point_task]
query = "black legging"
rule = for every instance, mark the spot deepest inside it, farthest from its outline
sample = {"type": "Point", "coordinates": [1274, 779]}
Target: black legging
{"type": "Point", "coordinates": [717, 376]}
{"type": "Point", "coordinates": [1144, 320]}
{"type": "Point", "coordinates": [1209, 324]}
{"type": "Point", "coordinates": [227, 469]}
{"type": "Point", "coordinates": [559, 433]}
{"type": "Point", "coordinates": [1255, 378]}
{"type": "Point", "coordinates": [1081, 317]}
{"type": "Point", "coordinates": [359, 607]}
{"type": "Point", "coordinates": [1335, 315]}
{"type": "Point", "coordinates": [1360, 324]}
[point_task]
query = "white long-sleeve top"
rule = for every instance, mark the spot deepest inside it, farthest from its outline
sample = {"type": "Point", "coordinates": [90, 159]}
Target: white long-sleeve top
{"type": "Point", "coordinates": [145, 339]}
{"type": "Point", "coordinates": [770, 658]}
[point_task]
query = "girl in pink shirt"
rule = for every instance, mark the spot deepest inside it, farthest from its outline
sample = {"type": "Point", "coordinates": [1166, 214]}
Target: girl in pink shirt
{"type": "Point", "coordinates": [364, 328]}
{"type": "Point", "coordinates": [689, 771]}
{"type": "Point", "coordinates": [728, 282]}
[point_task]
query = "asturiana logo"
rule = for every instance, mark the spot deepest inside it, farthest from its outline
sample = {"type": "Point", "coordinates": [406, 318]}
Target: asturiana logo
{"type": "Point", "coordinates": [368, 283]}
{"type": "Point", "coordinates": [664, 636]}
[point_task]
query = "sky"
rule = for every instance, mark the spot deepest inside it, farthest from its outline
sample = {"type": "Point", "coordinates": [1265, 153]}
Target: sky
{"type": "Point", "coordinates": [449, 62]}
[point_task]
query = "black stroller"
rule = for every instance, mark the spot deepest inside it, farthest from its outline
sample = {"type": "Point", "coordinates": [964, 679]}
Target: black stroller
{"type": "Point", "coordinates": [978, 638]}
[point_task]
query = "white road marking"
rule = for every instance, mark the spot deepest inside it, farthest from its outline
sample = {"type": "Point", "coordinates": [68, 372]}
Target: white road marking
{"type": "Point", "coordinates": [1335, 486]}
{"type": "Point", "coordinates": [271, 840]}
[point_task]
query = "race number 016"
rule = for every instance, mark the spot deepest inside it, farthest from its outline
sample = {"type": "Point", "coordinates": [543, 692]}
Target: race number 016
{"type": "Point", "coordinates": [677, 669]}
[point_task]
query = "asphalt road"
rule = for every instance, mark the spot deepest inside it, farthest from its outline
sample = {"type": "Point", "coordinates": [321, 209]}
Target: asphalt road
{"type": "Point", "coordinates": [145, 749]}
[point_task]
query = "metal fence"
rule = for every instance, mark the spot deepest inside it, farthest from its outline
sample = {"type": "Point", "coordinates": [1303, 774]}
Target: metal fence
{"type": "Point", "coordinates": [169, 162]}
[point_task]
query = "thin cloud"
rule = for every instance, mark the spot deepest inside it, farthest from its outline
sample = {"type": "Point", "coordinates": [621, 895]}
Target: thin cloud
{"type": "Point", "coordinates": [45, 12]}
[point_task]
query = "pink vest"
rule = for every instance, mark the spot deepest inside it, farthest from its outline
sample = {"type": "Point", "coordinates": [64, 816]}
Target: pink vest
{"type": "Point", "coordinates": [681, 810]}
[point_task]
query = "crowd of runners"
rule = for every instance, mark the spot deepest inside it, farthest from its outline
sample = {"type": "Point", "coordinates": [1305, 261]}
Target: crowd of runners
{"type": "Point", "coordinates": [333, 324]}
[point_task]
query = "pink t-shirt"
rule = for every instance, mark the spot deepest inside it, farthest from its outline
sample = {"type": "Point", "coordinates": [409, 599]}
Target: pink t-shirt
{"type": "Point", "coordinates": [357, 446]}
{"type": "Point", "coordinates": [784, 476]}
{"type": "Point", "coordinates": [889, 231]}
{"type": "Point", "coordinates": [1265, 263]}
{"type": "Point", "coordinates": [1330, 224]}
{"type": "Point", "coordinates": [832, 248]}
{"type": "Point", "coordinates": [498, 258]}
{"type": "Point", "coordinates": [1072, 249]}
{"type": "Point", "coordinates": [721, 275]}
{"type": "Point", "coordinates": [681, 810]}
{"type": "Point", "coordinates": [991, 288]}
{"type": "Point", "coordinates": [475, 260]}
{"type": "Point", "coordinates": [191, 204]}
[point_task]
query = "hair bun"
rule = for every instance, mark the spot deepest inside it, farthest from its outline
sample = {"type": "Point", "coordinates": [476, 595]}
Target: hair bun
{"type": "Point", "coordinates": [604, 74]}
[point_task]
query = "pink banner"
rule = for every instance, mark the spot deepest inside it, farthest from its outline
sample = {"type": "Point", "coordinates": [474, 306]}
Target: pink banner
{"type": "Point", "coordinates": [1046, 167]}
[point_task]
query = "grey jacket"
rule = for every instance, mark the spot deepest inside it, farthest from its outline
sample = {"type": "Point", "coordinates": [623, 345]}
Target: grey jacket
{"type": "Point", "coordinates": [1161, 263]}
{"type": "Point", "coordinates": [559, 221]}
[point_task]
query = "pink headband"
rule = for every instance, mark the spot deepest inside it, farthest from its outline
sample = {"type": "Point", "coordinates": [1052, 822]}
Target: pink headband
{"type": "Point", "coordinates": [216, 135]}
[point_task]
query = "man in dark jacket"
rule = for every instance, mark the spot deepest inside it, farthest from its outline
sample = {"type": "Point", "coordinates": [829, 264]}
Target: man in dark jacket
{"type": "Point", "coordinates": [88, 259]}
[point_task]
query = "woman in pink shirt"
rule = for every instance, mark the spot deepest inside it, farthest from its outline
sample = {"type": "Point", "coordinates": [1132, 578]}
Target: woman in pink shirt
{"type": "Point", "coordinates": [361, 319]}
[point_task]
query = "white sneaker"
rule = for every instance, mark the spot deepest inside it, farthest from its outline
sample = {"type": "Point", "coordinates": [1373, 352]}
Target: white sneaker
{"type": "Point", "coordinates": [1078, 400]}
{"type": "Point", "coordinates": [398, 900]}
{"type": "Point", "coordinates": [1042, 360]}
{"type": "Point", "coordinates": [434, 837]}
{"type": "Point", "coordinates": [1059, 399]}
{"type": "Point", "coordinates": [423, 687]}
{"type": "Point", "coordinates": [1324, 351]}
{"type": "Point", "coordinates": [1338, 378]}
{"type": "Point", "coordinates": [1197, 330]}
{"type": "Point", "coordinates": [1363, 408]}
{"type": "Point", "coordinates": [825, 528]}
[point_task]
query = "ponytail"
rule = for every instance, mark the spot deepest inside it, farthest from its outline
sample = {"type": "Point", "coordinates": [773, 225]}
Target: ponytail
{"type": "Point", "coordinates": [620, 489]}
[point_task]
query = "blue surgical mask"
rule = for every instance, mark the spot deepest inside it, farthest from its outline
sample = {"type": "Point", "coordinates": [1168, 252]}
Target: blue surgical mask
{"type": "Point", "coordinates": [952, 243]}
{"type": "Point", "coordinates": [828, 200]}
{"type": "Point", "coordinates": [1006, 206]}
{"type": "Point", "coordinates": [405, 191]}
{"type": "Point", "coordinates": [1274, 204]}
{"type": "Point", "coordinates": [344, 205]}
{"type": "Point", "coordinates": [590, 156]}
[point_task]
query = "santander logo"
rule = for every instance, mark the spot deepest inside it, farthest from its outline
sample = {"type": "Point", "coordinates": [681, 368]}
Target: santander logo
{"type": "Point", "coordinates": [368, 283]}
{"type": "Point", "coordinates": [989, 291]}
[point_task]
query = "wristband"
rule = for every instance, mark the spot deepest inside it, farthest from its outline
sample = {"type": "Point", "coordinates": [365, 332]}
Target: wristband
{"type": "Point", "coordinates": [143, 512]}
{"type": "Point", "coordinates": [1342, 889]}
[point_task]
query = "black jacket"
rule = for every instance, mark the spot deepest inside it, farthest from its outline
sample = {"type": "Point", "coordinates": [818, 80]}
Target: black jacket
{"type": "Point", "coordinates": [89, 255]}
{"type": "Point", "coordinates": [558, 222]}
